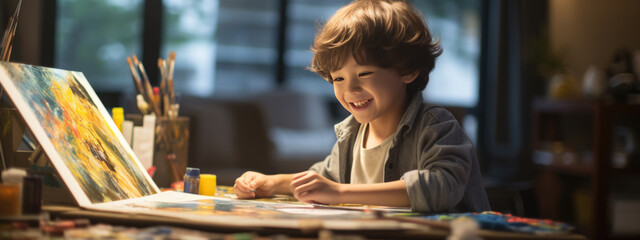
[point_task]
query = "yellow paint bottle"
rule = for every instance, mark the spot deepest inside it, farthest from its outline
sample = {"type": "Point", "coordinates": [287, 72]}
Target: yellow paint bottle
{"type": "Point", "coordinates": [207, 185]}
{"type": "Point", "coordinates": [117, 113]}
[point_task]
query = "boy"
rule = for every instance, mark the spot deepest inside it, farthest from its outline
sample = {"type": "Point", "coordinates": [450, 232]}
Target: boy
{"type": "Point", "coordinates": [393, 150]}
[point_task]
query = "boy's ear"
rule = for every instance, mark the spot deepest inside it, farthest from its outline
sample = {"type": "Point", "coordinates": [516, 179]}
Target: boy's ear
{"type": "Point", "coordinates": [410, 77]}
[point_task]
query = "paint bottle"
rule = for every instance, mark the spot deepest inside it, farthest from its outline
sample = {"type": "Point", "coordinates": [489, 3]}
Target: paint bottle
{"type": "Point", "coordinates": [192, 180]}
{"type": "Point", "coordinates": [11, 192]}
{"type": "Point", "coordinates": [9, 200]}
{"type": "Point", "coordinates": [117, 113]}
{"type": "Point", "coordinates": [32, 195]}
{"type": "Point", "coordinates": [207, 185]}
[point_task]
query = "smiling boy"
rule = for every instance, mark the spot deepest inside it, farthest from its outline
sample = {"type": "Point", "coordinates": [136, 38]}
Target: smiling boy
{"type": "Point", "coordinates": [393, 150]}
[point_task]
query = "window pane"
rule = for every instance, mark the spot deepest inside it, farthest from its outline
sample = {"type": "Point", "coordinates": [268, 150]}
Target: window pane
{"type": "Point", "coordinates": [304, 16]}
{"type": "Point", "coordinates": [454, 81]}
{"type": "Point", "coordinates": [189, 30]}
{"type": "Point", "coordinates": [222, 46]}
{"type": "Point", "coordinates": [247, 41]}
{"type": "Point", "coordinates": [95, 37]}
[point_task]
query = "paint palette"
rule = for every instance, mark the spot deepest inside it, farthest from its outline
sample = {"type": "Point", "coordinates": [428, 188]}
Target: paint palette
{"type": "Point", "coordinates": [506, 222]}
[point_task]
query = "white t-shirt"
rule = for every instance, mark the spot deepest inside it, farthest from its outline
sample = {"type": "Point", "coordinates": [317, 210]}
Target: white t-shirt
{"type": "Point", "coordinates": [368, 163]}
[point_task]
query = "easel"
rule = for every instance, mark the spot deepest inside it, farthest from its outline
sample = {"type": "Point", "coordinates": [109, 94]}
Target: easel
{"type": "Point", "coordinates": [13, 126]}
{"type": "Point", "coordinates": [13, 135]}
{"type": "Point", "coordinates": [18, 147]}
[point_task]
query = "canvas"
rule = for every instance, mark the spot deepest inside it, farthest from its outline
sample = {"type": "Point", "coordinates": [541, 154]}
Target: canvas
{"type": "Point", "coordinates": [76, 132]}
{"type": "Point", "coordinates": [233, 212]}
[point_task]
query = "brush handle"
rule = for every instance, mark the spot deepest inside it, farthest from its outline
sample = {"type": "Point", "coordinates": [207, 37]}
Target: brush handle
{"type": "Point", "coordinates": [148, 91]}
{"type": "Point", "coordinates": [136, 77]}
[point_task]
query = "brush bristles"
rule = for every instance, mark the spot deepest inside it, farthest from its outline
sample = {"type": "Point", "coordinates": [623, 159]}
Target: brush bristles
{"type": "Point", "coordinates": [135, 59]}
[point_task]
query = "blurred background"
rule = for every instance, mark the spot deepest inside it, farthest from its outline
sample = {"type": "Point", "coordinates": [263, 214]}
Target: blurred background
{"type": "Point", "coordinates": [547, 90]}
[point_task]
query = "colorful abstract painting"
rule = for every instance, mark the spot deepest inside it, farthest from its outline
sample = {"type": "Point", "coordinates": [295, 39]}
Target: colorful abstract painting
{"type": "Point", "coordinates": [76, 132]}
{"type": "Point", "coordinates": [249, 208]}
{"type": "Point", "coordinates": [228, 211]}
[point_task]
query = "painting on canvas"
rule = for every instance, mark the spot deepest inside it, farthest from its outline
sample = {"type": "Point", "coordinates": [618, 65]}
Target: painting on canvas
{"type": "Point", "coordinates": [76, 132]}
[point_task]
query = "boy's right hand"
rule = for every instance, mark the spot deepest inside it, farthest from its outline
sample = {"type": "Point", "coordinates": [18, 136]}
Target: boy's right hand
{"type": "Point", "coordinates": [254, 185]}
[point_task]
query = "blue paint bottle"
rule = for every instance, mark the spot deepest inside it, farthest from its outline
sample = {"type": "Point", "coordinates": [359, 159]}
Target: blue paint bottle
{"type": "Point", "coordinates": [192, 180]}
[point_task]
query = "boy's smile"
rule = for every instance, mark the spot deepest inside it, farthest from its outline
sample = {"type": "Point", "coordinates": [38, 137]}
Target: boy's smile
{"type": "Point", "coordinates": [371, 94]}
{"type": "Point", "coordinates": [360, 105]}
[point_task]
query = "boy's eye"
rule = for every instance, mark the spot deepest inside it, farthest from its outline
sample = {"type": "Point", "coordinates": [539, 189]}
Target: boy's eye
{"type": "Point", "coordinates": [364, 74]}
{"type": "Point", "coordinates": [338, 79]}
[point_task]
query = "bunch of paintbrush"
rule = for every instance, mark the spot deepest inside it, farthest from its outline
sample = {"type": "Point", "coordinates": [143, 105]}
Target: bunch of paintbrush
{"type": "Point", "coordinates": [161, 101]}
{"type": "Point", "coordinates": [167, 96]}
{"type": "Point", "coordinates": [9, 34]}
{"type": "Point", "coordinates": [167, 91]}
{"type": "Point", "coordinates": [143, 87]}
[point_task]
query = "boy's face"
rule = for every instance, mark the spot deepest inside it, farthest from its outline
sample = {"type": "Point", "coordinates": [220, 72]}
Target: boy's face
{"type": "Point", "coordinates": [373, 95]}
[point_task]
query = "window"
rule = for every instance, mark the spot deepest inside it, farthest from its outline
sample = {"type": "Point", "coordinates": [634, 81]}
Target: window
{"type": "Point", "coordinates": [189, 29]}
{"type": "Point", "coordinates": [247, 45]}
{"type": "Point", "coordinates": [454, 81]}
{"type": "Point", "coordinates": [95, 37]}
{"type": "Point", "coordinates": [231, 46]}
{"type": "Point", "coordinates": [304, 18]}
{"type": "Point", "coordinates": [223, 46]}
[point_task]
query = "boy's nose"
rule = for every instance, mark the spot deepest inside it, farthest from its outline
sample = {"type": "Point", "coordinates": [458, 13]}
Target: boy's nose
{"type": "Point", "coordinates": [353, 85]}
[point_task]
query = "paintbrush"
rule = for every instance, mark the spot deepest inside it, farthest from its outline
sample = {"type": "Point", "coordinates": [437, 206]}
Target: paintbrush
{"type": "Point", "coordinates": [164, 94]}
{"type": "Point", "coordinates": [171, 62]}
{"type": "Point", "coordinates": [136, 77]}
{"type": "Point", "coordinates": [9, 34]}
{"type": "Point", "coordinates": [163, 74]}
{"type": "Point", "coordinates": [143, 106]}
{"type": "Point", "coordinates": [5, 52]}
{"type": "Point", "coordinates": [147, 87]}
{"type": "Point", "coordinates": [140, 97]}
{"type": "Point", "coordinates": [6, 38]}
{"type": "Point", "coordinates": [8, 57]}
{"type": "Point", "coordinates": [171, 157]}
{"type": "Point", "coordinates": [173, 105]}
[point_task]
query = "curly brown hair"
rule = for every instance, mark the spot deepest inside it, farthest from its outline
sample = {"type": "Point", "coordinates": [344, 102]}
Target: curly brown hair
{"type": "Point", "coordinates": [383, 33]}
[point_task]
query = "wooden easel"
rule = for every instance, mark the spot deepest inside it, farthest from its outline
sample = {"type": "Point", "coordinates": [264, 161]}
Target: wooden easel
{"type": "Point", "coordinates": [13, 126]}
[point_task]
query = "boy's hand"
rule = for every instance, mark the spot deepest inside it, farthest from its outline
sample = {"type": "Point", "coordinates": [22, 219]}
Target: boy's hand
{"type": "Point", "coordinates": [311, 187]}
{"type": "Point", "coordinates": [254, 185]}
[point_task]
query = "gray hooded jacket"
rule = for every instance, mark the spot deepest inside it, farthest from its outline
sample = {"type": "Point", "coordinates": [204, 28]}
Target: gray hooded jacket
{"type": "Point", "coordinates": [430, 152]}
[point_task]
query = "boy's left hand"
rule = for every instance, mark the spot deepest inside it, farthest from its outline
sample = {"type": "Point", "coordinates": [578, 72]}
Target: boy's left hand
{"type": "Point", "coordinates": [311, 187]}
